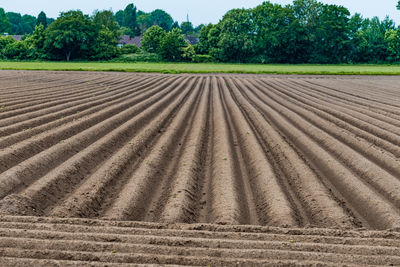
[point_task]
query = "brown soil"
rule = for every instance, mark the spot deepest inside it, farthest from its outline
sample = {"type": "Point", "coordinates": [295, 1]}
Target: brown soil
{"type": "Point", "coordinates": [317, 156]}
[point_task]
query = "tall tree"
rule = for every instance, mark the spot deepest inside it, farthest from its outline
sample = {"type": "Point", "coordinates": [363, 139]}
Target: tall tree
{"type": "Point", "coordinates": [70, 36]}
{"type": "Point", "coordinates": [144, 21]}
{"type": "Point", "coordinates": [161, 18]}
{"type": "Point", "coordinates": [16, 22]}
{"type": "Point", "coordinates": [306, 12]}
{"type": "Point", "coordinates": [5, 25]}
{"type": "Point", "coordinates": [42, 19]}
{"type": "Point", "coordinates": [398, 5]}
{"type": "Point", "coordinates": [203, 46]}
{"type": "Point", "coordinates": [172, 45]}
{"type": "Point", "coordinates": [129, 19]}
{"type": "Point", "coordinates": [355, 26]}
{"type": "Point", "coordinates": [105, 19]}
{"type": "Point", "coordinates": [50, 21]}
{"type": "Point", "coordinates": [35, 42]}
{"type": "Point", "coordinates": [119, 17]}
{"type": "Point", "coordinates": [275, 35]}
{"type": "Point", "coordinates": [332, 42]}
{"type": "Point", "coordinates": [28, 24]}
{"type": "Point", "coordinates": [371, 45]}
{"type": "Point", "coordinates": [198, 29]}
{"type": "Point", "coordinates": [392, 38]}
{"type": "Point", "coordinates": [152, 39]}
{"type": "Point", "coordinates": [187, 27]}
{"type": "Point", "coordinates": [105, 44]}
{"type": "Point", "coordinates": [175, 25]}
{"type": "Point", "coordinates": [4, 42]}
{"type": "Point", "coordinates": [236, 38]}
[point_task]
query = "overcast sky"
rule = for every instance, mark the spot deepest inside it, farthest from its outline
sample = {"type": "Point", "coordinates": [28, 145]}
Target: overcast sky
{"type": "Point", "coordinates": [200, 11]}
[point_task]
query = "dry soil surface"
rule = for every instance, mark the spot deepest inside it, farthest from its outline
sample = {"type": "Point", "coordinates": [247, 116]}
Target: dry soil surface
{"type": "Point", "coordinates": [167, 169]}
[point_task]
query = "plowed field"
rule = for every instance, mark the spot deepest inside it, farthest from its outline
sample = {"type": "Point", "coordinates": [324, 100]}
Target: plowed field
{"type": "Point", "coordinates": [293, 152]}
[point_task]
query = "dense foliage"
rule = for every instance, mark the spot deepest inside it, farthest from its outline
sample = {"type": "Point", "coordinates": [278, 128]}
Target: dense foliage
{"type": "Point", "coordinates": [305, 31]}
{"type": "Point", "coordinates": [152, 39]}
{"type": "Point", "coordinates": [5, 24]}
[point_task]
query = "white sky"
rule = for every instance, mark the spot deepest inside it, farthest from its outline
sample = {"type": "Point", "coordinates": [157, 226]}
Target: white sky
{"type": "Point", "coordinates": [203, 11]}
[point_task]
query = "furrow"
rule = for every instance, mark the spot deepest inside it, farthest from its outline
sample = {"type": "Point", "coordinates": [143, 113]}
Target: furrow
{"type": "Point", "coordinates": [63, 179]}
{"type": "Point", "coordinates": [96, 251]}
{"type": "Point", "coordinates": [370, 121]}
{"type": "Point", "coordinates": [224, 196]}
{"type": "Point", "coordinates": [162, 192]}
{"type": "Point", "coordinates": [125, 169]}
{"type": "Point", "coordinates": [384, 160]}
{"type": "Point", "coordinates": [197, 241]}
{"type": "Point", "coordinates": [25, 261]}
{"type": "Point", "coordinates": [58, 107]}
{"type": "Point", "coordinates": [36, 104]}
{"type": "Point", "coordinates": [318, 203]}
{"type": "Point", "coordinates": [105, 182]}
{"type": "Point", "coordinates": [330, 113]}
{"type": "Point", "coordinates": [21, 105]}
{"type": "Point", "coordinates": [372, 207]}
{"type": "Point", "coordinates": [75, 107]}
{"type": "Point", "coordinates": [79, 115]}
{"type": "Point", "coordinates": [356, 160]}
{"type": "Point", "coordinates": [40, 164]}
{"type": "Point", "coordinates": [42, 87]}
{"type": "Point", "coordinates": [271, 196]}
{"type": "Point", "coordinates": [373, 105]}
{"type": "Point", "coordinates": [182, 204]}
{"type": "Point", "coordinates": [211, 234]}
{"type": "Point", "coordinates": [134, 204]}
{"type": "Point", "coordinates": [18, 153]}
{"type": "Point", "coordinates": [146, 259]}
{"type": "Point", "coordinates": [376, 95]}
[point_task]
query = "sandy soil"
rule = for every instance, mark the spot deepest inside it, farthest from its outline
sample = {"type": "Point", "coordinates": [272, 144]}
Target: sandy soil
{"type": "Point", "coordinates": [316, 157]}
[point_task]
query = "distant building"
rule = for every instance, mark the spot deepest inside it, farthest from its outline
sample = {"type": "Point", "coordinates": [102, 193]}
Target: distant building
{"type": "Point", "coordinates": [191, 39]}
{"type": "Point", "coordinates": [15, 37]}
{"type": "Point", "coordinates": [126, 39]}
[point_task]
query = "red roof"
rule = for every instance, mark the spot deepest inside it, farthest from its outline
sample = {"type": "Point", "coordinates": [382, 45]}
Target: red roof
{"type": "Point", "coordinates": [17, 37]}
{"type": "Point", "coordinates": [126, 39]}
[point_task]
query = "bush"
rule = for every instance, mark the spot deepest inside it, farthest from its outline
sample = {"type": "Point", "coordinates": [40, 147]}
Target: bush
{"type": "Point", "coordinates": [17, 50]}
{"type": "Point", "coordinates": [203, 59]}
{"type": "Point", "coordinates": [171, 47]}
{"type": "Point", "coordinates": [260, 59]}
{"type": "Point", "coordinates": [142, 57]}
{"type": "Point", "coordinates": [188, 53]}
{"type": "Point", "coordinates": [129, 49]}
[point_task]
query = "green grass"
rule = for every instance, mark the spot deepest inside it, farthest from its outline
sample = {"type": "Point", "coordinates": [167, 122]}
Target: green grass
{"type": "Point", "coordinates": [364, 69]}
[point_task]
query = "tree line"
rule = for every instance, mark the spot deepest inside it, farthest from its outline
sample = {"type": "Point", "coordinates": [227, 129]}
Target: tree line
{"type": "Point", "coordinates": [74, 35]}
{"type": "Point", "coordinates": [306, 31]}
